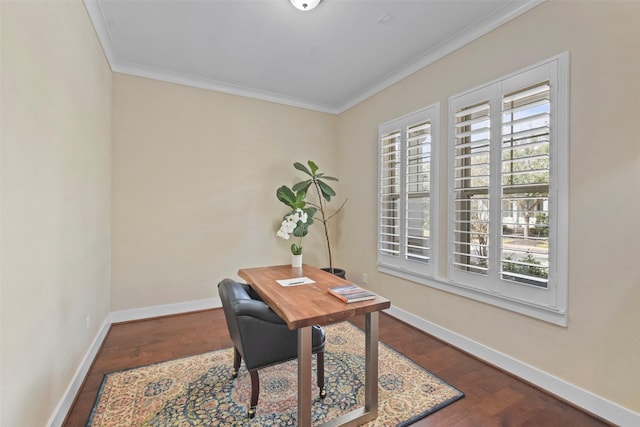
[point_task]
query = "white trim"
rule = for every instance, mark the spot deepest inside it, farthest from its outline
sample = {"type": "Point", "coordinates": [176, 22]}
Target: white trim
{"type": "Point", "coordinates": [443, 49]}
{"type": "Point", "coordinates": [430, 114]}
{"type": "Point", "coordinates": [218, 86]}
{"type": "Point", "coordinates": [562, 175]}
{"type": "Point", "coordinates": [97, 19]}
{"type": "Point", "coordinates": [102, 30]}
{"type": "Point", "coordinates": [580, 397]}
{"type": "Point", "coordinates": [163, 310]}
{"type": "Point", "coordinates": [63, 407]}
{"type": "Point", "coordinates": [548, 304]}
{"type": "Point", "coordinates": [443, 284]}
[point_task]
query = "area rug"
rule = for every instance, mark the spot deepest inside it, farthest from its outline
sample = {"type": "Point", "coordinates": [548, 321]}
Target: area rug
{"type": "Point", "coordinates": [199, 391]}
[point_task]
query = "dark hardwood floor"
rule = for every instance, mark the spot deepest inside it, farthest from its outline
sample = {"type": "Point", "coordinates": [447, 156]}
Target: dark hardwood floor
{"type": "Point", "coordinates": [492, 397]}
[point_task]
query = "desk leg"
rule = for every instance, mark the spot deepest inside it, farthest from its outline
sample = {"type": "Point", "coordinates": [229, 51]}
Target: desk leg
{"type": "Point", "coordinates": [370, 410]}
{"type": "Point", "coordinates": [371, 364]}
{"type": "Point", "coordinates": [304, 377]}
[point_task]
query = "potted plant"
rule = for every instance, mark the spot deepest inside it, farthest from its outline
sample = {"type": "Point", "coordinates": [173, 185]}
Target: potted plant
{"type": "Point", "coordinates": [324, 193]}
{"type": "Point", "coordinates": [296, 222]}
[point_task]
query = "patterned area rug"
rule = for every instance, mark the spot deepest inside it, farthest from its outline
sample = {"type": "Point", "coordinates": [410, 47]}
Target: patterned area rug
{"type": "Point", "coordinates": [199, 391]}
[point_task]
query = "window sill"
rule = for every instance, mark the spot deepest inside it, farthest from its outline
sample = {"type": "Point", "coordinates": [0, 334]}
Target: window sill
{"type": "Point", "coordinates": [548, 315]}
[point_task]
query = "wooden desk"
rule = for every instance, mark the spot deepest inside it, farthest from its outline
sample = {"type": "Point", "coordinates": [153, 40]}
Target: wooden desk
{"type": "Point", "coordinates": [305, 305]}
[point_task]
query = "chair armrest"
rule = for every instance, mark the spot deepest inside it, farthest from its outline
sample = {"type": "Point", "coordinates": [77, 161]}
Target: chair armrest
{"type": "Point", "coordinates": [257, 309]}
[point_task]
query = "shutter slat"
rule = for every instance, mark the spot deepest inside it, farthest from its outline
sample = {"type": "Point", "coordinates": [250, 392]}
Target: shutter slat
{"type": "Point", "coordinates": [471, 133]}
{"type": "Point", "coordinates": [472, 110]}
{"type": "Point", "coordinates": [540, 89]}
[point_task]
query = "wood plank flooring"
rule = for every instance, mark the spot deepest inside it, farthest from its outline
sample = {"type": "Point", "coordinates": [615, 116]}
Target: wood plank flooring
{"type": "Point", "coordinates": [492, 397]}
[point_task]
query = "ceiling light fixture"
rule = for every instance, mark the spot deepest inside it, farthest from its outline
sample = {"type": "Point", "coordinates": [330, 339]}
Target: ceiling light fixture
{"type": "Point", "coordinates": [305, 5]}
{"type": "Point", "coordinates": [384, 18]}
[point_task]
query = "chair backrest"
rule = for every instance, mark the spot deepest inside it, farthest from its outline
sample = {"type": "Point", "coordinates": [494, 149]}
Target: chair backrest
{"type": "Point", "coordinates": [259, 334]}
{"type": "Point", "coordinates": [231, 292]}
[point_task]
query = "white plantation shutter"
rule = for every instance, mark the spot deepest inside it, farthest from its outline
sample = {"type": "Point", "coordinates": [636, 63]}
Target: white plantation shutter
{"type": "Point", "coordinates": [525, 185]}
{"type": "Point", "coordinates": [389, 188]}
{"type": "Point", "coordinates": [471, 154]}
{"type": "Point", "coordinates": [405, 217]}
{"type": "Point", "coordinates": [505, 237]}
{"type": "Point", "coordinates": [417, 195]}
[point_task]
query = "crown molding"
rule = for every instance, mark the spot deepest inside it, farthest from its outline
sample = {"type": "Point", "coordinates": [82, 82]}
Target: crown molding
{"type": "Point", "coordinates": [216, 86]}
{"type": "Point", "coordinates": [445, 48]}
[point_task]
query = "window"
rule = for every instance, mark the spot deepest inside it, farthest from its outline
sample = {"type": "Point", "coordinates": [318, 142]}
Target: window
{"type": "Point", "coordinates": [405, 226]}
{"type": "Point", "coordinates": [508, 188]}
{"type": "Point", "coordinates": [507, 200]}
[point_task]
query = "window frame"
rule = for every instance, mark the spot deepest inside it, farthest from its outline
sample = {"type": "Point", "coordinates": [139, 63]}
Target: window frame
{"type": "Point", "coordinates": [398, 264]}
{"type": "Point", "coordinates": [551, 307]}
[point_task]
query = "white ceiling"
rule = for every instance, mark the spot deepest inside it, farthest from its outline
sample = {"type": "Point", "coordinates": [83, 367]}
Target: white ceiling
{"type": "Point", "coordinates": [328, 59]}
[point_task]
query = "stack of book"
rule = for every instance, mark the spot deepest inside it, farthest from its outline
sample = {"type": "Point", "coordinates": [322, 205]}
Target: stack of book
{"type": "Point", "coordinates": [351, 293]}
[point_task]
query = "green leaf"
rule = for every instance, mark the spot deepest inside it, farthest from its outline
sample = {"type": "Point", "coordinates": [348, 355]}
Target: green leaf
{"type": "Point", "coordinates": [286, 196]}
{"type": "Point", "coordinates": [302, 168]}
{"type": "Point", "coordinates": [313, 166]}
{"type": "Point", "coordinates": [302, 185]}
{"type": "Point", "coordinates": [296, 250]}
{"type": "Point", "coordinates": [301, 229]}
{"type": "Point", "coordinates": [291, 199]}
{"type": "Point", "coordinates": [327, 192]}
{"type": "Point", "coordinates": [300, 195]}
{"type": "Point", "coordinates": [323, 176]}
{"type": "Point", "coordinates": [310, 213]}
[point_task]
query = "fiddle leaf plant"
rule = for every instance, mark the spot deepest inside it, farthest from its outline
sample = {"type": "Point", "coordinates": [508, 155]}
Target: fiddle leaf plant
{"type": "Point", "coordinates": [324, 193]}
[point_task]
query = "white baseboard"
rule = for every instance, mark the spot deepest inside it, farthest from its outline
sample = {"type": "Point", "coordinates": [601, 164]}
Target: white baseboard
{"type": "Point", "coordinates": [72, 390]}
{"type": "Point", "coordinates": [164, 310]}
{"type": "Point", "coordinates": [70, 393]}
{"type": "Point", "coordinates": [595, 404]}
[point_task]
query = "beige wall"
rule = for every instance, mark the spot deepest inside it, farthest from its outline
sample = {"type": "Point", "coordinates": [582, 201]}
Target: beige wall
{"type": "Point", "coordinates": [180, 184]}
{"type": "Point", "coordinates": [599, 349]}
{"type": "Point", "coordinates": [195, 175]}
{"type": "Point", "coordinates": [55, 195]}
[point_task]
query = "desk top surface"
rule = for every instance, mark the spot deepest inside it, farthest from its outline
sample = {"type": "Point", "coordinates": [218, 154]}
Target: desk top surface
{"type": "Point", "coordinates": [306, 305]}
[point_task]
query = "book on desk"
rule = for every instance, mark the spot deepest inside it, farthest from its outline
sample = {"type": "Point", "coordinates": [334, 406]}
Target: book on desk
{"type": "Point", "coordinates": [351, 293]}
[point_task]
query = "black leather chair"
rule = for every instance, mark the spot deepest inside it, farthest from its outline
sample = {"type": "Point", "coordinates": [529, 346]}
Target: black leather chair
{"type": "Point", "coordinates": [261, 337]}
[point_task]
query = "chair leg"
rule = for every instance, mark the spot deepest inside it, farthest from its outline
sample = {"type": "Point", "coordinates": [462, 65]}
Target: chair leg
{"type": "Point", "coordinates": [255, 391]}
{"type": "Point", "coordinates": [320, 366]}
{"type": "Point", "coordinates": [236, 362]}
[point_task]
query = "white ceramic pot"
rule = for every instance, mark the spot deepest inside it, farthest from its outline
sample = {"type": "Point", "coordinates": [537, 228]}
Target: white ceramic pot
{"type": "Point", "coordinates": [296, 260]}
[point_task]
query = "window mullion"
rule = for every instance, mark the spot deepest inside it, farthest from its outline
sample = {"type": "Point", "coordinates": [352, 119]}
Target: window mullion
{"type": "Point", "coordinates": [495, 196]}
{"type": "Point", "coordinates": [403, 192]}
